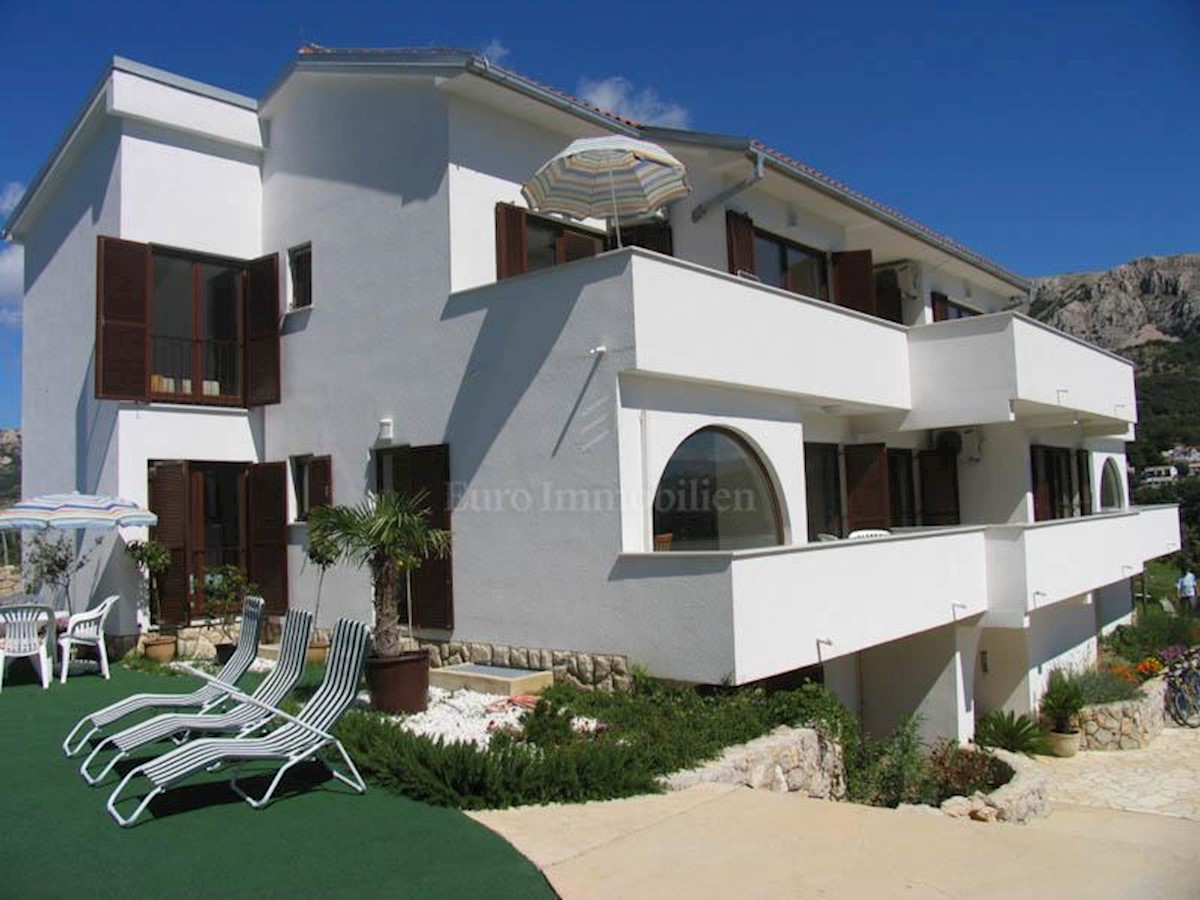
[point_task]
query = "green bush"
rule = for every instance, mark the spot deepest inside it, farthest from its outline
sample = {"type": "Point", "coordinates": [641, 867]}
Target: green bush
{"type": "Point", "coordinates": [548, 725]}
{"type": "Point", "coordinates": [1102, 685]}
{"type": "Point", "coordinates": [891, 771]}
{"type": "Point", "coordinates": [1155, 629]}
{"type": "Point", "coordinates": [958, 771]}
{"type": "Point", "coordinates": [1062, 700]}
{"type": "Point", "coordinates": [1012, 732]}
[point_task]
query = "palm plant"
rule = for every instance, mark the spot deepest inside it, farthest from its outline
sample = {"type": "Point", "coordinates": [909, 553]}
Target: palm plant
{"type": "Point", "coordinates": [391, 534]}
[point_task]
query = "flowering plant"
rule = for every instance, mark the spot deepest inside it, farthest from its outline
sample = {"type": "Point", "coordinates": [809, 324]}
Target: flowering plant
{"type": "Point", "coordinates": [1125, 672]}
{"type": "Point", "coordinates": [1168, 655]}
{"type": "Point", "coordinates": [1149, 667]}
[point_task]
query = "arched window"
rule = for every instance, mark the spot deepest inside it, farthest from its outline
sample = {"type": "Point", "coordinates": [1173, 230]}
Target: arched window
{"type": "Point", "coordinates": [1111, 495]}
{"type": "Point", "coordinates": [715, 494]}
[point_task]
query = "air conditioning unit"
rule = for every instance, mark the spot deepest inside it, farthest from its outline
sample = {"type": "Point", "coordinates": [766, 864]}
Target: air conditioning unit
{"type": "Point", "coordinates": [948, 442]}
{"type": "Point", "coordinates": [965, 442]}
{"type": "Point", "coordinates": [907, 278]}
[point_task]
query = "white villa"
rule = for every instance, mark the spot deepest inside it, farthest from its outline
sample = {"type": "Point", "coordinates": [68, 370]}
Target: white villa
{"type": "Point", "coordinates": [237, 309]}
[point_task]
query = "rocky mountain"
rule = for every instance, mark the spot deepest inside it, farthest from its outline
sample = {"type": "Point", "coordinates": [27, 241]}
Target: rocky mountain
{"type": "Point", "coordinates": [10, 466]}
{"type": "Point", "coordinates": [1152, 299]}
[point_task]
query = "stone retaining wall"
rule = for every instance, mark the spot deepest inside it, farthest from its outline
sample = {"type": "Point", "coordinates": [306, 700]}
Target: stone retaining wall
{"type": "Point", "coordinates": [1125, 724]}
{"type": "Point", "coordinates": [1026, 795]}
{"type": "Point", "coordinates": [788, 759]}
{"type": "Point", "coordinates": [593, 671]}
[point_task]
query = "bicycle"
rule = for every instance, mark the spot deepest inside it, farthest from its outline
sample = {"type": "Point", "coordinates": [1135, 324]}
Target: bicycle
{"type": "Point", "coordinates": [1182, 696]}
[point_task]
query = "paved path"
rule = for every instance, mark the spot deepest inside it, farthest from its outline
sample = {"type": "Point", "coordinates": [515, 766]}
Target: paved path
{"type": "Point", "coordinates": [725, 841]}
{"type": "Point", "coordinates": [1163, 778]}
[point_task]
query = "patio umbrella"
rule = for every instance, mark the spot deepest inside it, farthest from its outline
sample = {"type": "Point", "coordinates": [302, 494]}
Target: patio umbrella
{"type": "Point", "coordinates": [74, 510]}
{"type": "Point", "coordinates": [607, 177]}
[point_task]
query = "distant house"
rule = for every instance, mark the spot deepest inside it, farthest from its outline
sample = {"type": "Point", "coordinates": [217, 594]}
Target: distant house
{"type": "Point", "coordinates": [1159, 475]}
{"type": "Point", "coordinates": [239, 309]}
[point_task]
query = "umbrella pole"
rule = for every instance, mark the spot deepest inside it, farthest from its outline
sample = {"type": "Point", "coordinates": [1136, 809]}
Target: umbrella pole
{"type": "Point", "coordinates": [612, 184]}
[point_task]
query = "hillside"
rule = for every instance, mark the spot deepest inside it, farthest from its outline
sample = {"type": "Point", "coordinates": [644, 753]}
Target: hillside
{"type": "Point", "coordinates": [1148, 310]}
{"type": "Point", "coordinates": [10, 467]}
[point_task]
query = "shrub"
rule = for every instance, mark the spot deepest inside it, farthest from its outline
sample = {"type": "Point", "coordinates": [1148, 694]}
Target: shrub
{"type": "Point", "coordinates": [891, 771]}
{"type": "Point", "coordinates": [958, 771]}
{"type": "Point", "coordinates": [548, 725]}
{"type": "Point", "coordinates": [1105, 685]}
{"type": "Point", "coordinates": [1155, 629]}
{"type": "Point", "coordinates": [1012, 732]}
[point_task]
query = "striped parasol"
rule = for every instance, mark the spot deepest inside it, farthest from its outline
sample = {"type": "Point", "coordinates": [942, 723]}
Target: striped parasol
{"type": "Point", "coordinates": [607, 177]}
{"type": "Point", "coordinates": [74, 510]}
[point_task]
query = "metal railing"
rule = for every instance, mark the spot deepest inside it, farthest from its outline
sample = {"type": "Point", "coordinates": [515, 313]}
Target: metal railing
{"type": "Point", "coordinates": [175, 360]}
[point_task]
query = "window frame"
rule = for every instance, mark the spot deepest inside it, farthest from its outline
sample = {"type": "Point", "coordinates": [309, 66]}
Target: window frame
{"type": "Point", "coordinates": [784, 244]}
{"type": "Point", "coordinates": [294, 254]}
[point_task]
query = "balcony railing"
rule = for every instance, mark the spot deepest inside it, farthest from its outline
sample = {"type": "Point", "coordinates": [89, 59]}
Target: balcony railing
{"type": "Point", "coordinates": [175, 362]}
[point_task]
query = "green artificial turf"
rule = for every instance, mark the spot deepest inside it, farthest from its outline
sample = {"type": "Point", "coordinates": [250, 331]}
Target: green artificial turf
{"type": "Point", "coordinates": [317, 840]}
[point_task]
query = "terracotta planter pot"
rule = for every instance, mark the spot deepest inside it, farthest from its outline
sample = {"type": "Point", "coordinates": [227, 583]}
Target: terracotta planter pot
{"type": "Point", "coordinates": [316, 654]}
{"type": "Point", "coordinates": [399, 684]}
{"type": "Point", "coordinates": [160, 648]}
{"type": "Point", "coordinates": [1064, 743]}
{"type": "Point", "coordinates": [224, 652]}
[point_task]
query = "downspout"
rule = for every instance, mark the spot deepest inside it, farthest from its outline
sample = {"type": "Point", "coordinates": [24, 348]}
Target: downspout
{"type": "Point", "coordinates": [700, 210]}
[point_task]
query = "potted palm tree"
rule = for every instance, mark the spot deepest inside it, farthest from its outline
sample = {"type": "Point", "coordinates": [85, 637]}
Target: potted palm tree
{"type": "Point", "coordinates": [1061, 703]}
{"type": "Point", "coordinates": [154, 559]}
{"type": "Point", "coordinates": [391, 535]}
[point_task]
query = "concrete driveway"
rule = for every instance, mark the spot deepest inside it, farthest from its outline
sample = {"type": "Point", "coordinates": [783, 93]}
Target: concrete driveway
{"type": "Point", "coordinates": [725, 841]}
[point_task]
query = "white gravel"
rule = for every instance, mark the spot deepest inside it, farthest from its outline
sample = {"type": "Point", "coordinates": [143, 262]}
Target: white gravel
{"type": "Point", "coordinates": [461, 717]}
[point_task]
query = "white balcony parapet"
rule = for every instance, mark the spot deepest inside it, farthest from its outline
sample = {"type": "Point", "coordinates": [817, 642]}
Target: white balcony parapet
{"type": "Point", "coordinates": [1007, 366]}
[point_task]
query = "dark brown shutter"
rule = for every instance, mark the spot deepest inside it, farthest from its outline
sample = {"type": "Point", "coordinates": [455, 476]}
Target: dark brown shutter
{"type": "Point", "coordinates": [654, 236]}
{"type": "Point", "coordinates": [123, 278]}
{"type": "Point", "coordinates": [900, 486]}
{"type": "Point", "coordinates": [1083, 461]}
{"type": "Point", "coordinates": [266, 533]}
{"type": "Point", "coordinates": [868, 502]}
{"type": "Point", "coordinates": [512, 241]}
{"type": "Point", "coordinates": [262, 331]}
{"type": "Point", "coordinates": [854, 281]}
{"type": "Point", "coordinates": [169, 501]}
{"type": "Point", "coordinates": [573, 245]}
{"type": "Point", "coordinates": [320, 482]}
{"type": "Point", "coordinates": [1043, 492]}
{"type": "Point", "coordinates": [941, 306]}
{"type": "Point", "coordinates": [739, 239]}
{"type": "Point", "coordinates": [432, 583]}
{"type": "Point", "coordinates": [939, 487]}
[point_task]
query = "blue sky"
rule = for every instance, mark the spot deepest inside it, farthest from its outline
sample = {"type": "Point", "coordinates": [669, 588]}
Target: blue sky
{"type": "Point", "coordinates": [1052, 136]}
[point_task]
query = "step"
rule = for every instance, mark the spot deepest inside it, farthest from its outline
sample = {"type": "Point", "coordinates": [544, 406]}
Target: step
{"type": "Point", "coordinates": [502, 680]}
{"type": "Point", "coordinates": [268, 651]}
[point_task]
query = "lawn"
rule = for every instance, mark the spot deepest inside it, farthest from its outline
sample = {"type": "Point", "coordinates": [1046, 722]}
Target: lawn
{"type": "Point", "coordinates": [202, 841]}
{"type": "Point", "coordinates": [1160, 579]}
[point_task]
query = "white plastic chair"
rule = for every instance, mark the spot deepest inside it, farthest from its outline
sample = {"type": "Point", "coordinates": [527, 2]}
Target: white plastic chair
{"type": "Point", "coordinates": [26, 631]}
{"type": "Point", "coordinates": [868, 533]}
{"type": "Point", "coordinates": [86, 629]}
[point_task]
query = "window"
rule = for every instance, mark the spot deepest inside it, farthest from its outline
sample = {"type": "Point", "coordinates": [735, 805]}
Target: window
{"type": "Point", "coordinates": [791, 266]}
{"type": "Point", "coordinates": [526, 242]}
{"type": "Point", "coordinates": [945, 309]}
{"type": "Point", "coordinates": [300, 262]}
{"type": "Point", "coordinates": [823, 488]}
{"type": "Point", "coordinates": [900, 486]}
{"type": "Point", "coordinates": [1111, 494]}
{"type": "Point", "coordinates": [185, 327]}
{"type": "Point", "coordinates": [312, 482]}
{"type": "Point", "coordinates": [1061, 482]}
{"type": "Point", "coordinates": [715, 494]}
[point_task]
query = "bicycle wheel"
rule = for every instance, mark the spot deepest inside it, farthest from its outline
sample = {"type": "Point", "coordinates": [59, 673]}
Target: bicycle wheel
{"type": "Point", "coordinates": [1185, 704]}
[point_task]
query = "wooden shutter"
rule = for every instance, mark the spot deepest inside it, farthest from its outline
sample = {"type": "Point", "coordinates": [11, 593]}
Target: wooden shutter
{"type": "Point", "coordinates": [868, 502]}
{"type": "Point", "coordinates": [654, 236]}
{"type": "Point", "coordinates": [169, 501]}
{"type": "Point", "coordinates": [854, 281]}
{"type": "Point", "coordinates": [939, 487]}
{"type": "Point", "coordinates": [123, 278]}
{"type": "Point", "coordinates": [266, 533]}
{"type": "Point", "coordinates": [262, 331]}
{"type": "Point", "coordinates": [320, 482]}
{"type": "Point", "coordinates": [900, 486]}
{"type": "Point", "coordinates": [512, 241]}
{"type": "Point", "coordinates": [1083, 461]}
{"type": "Point", "coordinates": [573, 245]}
{"type": "Point", "coordinates": [739, 239]}
{"type": "Point", "coordinates": [432, 583]}
{"type": "Point", "coordinates": [941, 306]}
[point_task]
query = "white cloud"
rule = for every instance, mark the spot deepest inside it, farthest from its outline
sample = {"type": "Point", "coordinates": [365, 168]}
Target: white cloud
{"type": "Point", "coordinates": [495, 51]}
{"type": "Point", "coordinates": [12, 278]}
{"type": "Point", "coordinates": [618, 95]}
{"type": "Point", "coordinates": [10, 196]}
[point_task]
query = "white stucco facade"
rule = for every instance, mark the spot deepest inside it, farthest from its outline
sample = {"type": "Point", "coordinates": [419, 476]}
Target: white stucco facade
{"type": "Point", "coordinates": [562, 394]}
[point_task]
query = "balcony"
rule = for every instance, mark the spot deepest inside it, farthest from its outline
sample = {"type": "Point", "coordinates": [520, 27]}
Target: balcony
{"type": "Point", "coordinates": [1033, 566]}
{"type": "Point", "coordinates": [695, 323]}
{"type": "Point", "coordinates": [1005, 367]}
{"type": "Point", "coordinates": [175, 362]}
